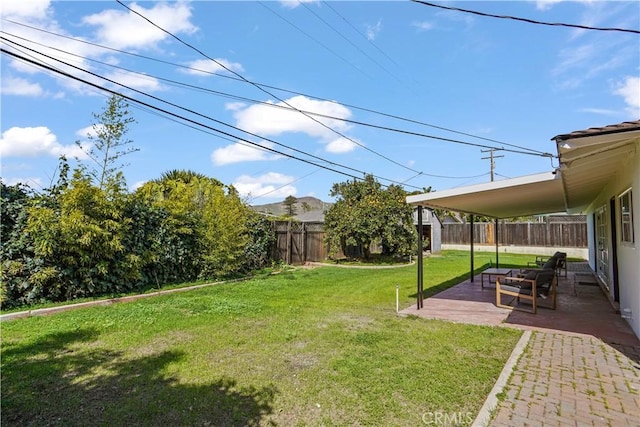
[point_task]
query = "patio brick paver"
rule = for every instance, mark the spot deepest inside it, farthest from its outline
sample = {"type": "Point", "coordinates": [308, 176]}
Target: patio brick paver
{"type": "Point", "coordinates": [570, 380]}
{"type": "Point", "coordinates": [580, 367]}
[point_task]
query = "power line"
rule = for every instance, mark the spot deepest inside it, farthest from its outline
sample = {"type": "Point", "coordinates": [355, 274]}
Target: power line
{"type": "Point", "coordinates": [167, 112]}
{"type": "Point", "coordinates": [314, 39]}
{"type": "Point", "coordinates": [137, 101]}
{"type": "Point", "coordinates": [173, 105]}
{"type": "Point", "coordinates": [349, 41]}
{"type": "Point", "coordinates": [282, 186]}
{"type": "Point", "coordinates": [264, 90]}
{"type": "Point", "coordinates": [231, 77]}
{"type": "Point", "coordinates": [530, 21]}
{"type": "Point", "coordinates": [328, 4]}
{"type": "Point", "coordinates": [149, 111]}
{"type": "Point", "coordinates": [311, 113]}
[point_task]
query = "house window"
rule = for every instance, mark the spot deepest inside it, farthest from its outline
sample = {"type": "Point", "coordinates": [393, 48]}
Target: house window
{"type": "Point", "coordinates": [626, 217]}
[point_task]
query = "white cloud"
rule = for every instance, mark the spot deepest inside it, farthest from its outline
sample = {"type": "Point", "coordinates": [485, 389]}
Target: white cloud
{"type": "Point", "coordinates": [240, 152]}
{"type": "Point", "coordinates": [578, 64]}
{"type": "Point", "coordinates": [123, 29]}
{"type": "Point", "coordinates": [574, 57]}
{"type": "Point", "coordinates": [271, 121]}
{"type": "Point", "coordinates": [271, 185]}
{"type": "Point", "coordinates": [630, 91]}
{"type": "Point", "coordinates": [135, 80]}
{"type": "Point", "coordinates": [423, 26]}
{"type": "Point", "coordinates": [292, 4]}
{"type": "Point", "coordinates": [341, 145]}
{"type": "Point", "coordinates": [234, 106]}
{"type": "Point", "coordinates": [25, 10]}
{"type": "Point", "coordinates": [137, 185]}
{"type": "Point", "coordinates": [205, 67]}
{"type": "Point", "coordinates": [35, 141]}
{"type": "Point", "coordinates": [19, 86]}
{"type": "Point", "coordinates": [372, 31]}
{"type": "Point", "coordinates": [546, 4]}
{"type": "Point", "coordinates": [39, 40]}
{"type": "Point", "coordinates": [600, 111]}
{"type": "Point", "coordinates": [30, 181]}
{"type": "Point", "coordinates": [89, 131]}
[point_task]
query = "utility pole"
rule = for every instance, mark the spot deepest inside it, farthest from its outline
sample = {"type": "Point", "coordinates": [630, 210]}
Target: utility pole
{"type": "Point", "coordinates": [492, 158]}
{"type": "Point", "coordinates": [493, 167]}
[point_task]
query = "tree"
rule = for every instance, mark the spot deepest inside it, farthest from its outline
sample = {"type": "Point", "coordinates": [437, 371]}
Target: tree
{"type": "Point", "coordinates": [290, 206]}
{"type": "Point", "coordinates": [181, 175]}
{"type": "Point", "coordinates": [79, 239]}
{"type": "Point", "coordinates": [16, 250]}
{"type": "Point", "coordinates": [206, 224]}
{"type": "Point", "coordinates": [398, 234]}
{"type": "Point", "coordinates": [108, 141]}
{"type": "Point", "coordinates": [365, 213]}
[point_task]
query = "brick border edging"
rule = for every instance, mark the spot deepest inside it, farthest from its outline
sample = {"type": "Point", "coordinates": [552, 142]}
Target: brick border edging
{"type": "Point", "coordinates": [68, 307]}
{"type": "Point", "coordinates": [484, 416]}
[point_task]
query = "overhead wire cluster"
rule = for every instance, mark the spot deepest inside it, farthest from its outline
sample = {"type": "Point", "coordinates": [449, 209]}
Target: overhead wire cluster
{"type": "Point", "coordinates": [516, 148]}
{"type": "Point", "coordinates": [34, 57]}
{"type": "Point", "coordinates": [527, 20]}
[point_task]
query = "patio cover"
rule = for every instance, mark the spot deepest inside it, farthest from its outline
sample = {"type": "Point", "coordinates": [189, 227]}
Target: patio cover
{"type": "Point", "coordinates": [588, 159]}
{"type": "Point", "coordinates": [542, 193]}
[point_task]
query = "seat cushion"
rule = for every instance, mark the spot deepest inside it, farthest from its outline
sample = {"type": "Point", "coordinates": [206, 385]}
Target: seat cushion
{"type": "Point", "coordinates": [525, 289]}
{"type": "Point", "coordinates": [551, 262]}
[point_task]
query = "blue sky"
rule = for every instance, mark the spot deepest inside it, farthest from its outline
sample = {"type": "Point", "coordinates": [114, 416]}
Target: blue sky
{"type": "Point", "coordinates": [493, 82]}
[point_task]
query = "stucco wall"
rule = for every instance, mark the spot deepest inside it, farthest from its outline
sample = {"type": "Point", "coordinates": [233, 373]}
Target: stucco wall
{"type": "Point", "coordinates": [628, 253]}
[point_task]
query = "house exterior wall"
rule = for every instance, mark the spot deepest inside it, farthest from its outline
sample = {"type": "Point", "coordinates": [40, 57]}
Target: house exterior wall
{"type": "Point", "coordinates": [628, 254]}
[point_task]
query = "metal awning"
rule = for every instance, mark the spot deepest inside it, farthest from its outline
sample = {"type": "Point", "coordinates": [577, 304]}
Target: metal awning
{"type": "Point", "coordinates": [526, 195]}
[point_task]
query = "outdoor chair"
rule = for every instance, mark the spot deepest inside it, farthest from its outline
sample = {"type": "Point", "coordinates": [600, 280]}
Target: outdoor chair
{"type": "Point", "coordinates": [537, 283]}
{"type": "Point", "coordinates": [558, 261]}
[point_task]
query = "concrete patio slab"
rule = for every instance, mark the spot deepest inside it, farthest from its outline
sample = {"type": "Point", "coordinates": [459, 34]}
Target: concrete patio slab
{"type": "Point", "coordinates": [580, 366]}
{"type": "Point", "coordinates": [581, 309]}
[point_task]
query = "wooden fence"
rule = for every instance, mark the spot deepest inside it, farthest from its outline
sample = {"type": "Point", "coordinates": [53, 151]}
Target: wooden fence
{"type": "Point", "coordinates": [299, 242]}
{"type": "Point", "coordinates": [556, 231]}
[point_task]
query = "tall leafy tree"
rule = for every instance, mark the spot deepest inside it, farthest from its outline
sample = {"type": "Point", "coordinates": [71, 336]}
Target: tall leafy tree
{"type": "Point", "coordinates": [16, 250]}
{"type": "Point", "coordinates": [108, 141]}
{"type": "Point", "coordinates": [365, 213]}
{"type": "Point", "coordinates": [80, 240]}
{"type": "Point", "coordinates": [207, 224]}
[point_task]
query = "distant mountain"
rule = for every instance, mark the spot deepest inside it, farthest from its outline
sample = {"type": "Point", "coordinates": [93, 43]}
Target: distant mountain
{"type": "Point", "coordinates": [303, 206]}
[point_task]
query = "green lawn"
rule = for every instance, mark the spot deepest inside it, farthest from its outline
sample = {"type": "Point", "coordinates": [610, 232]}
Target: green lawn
{"type": "Point", "coordinates": [310, 347]}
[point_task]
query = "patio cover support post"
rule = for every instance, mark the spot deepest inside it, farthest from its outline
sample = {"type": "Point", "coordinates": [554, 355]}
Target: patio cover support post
{"type": "Point", "coordinates": [420, 297]}
{"type": "Point", "coordinates": [496, 238]}
{"type": "Point", "coordinates": [471, 238]}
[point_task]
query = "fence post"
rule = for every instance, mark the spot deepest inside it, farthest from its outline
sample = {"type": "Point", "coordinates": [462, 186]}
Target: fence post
{"type": "Point", "coordinates": [304, 242]}
{"type": "Point", "coordinates": [289, 243]}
